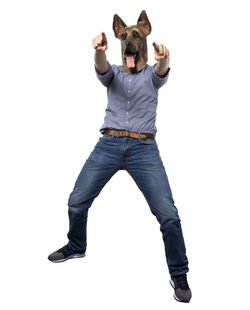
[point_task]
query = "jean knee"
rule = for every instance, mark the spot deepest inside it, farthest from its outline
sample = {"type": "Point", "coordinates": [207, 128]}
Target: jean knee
{"type": "Point", "coordinates": [168, 217]}
{"type": "Point", "coordinates": [76, 197]}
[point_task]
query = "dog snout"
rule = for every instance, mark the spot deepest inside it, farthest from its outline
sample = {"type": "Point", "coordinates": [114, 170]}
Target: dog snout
{"type": "Point", "coordinates": [130, 47]}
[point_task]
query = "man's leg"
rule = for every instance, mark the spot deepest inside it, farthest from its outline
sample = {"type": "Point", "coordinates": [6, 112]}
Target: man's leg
{"type": "Point", "coordinates": [101, 165]}
{"type": "Point", "coordinates": [148, 172]}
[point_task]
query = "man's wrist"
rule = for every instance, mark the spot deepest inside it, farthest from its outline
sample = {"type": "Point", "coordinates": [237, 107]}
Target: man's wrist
{"type": "Point", "coordinates": [101, 62]}
{"type": "Point", "coordinates": [162, 67]}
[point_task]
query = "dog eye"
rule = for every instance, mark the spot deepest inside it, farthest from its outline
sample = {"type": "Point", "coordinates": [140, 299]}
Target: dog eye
{"type": "Point", "coordinates": [124, 35]}
{"type": "Point", "coordinates": [135, 34]}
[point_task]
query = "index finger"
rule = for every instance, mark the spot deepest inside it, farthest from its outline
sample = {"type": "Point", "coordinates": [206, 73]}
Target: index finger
{"type": "Point", "coordinates": [104, 39]}
{"type": "Point", "coordinates": [156, 47]}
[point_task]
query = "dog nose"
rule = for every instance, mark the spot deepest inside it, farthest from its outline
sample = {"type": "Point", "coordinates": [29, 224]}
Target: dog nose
{"type": "Point", "coordinates": [130, 46]}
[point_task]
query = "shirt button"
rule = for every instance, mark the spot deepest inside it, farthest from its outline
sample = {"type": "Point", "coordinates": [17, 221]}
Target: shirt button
{"type": "Point", "coordinates": [128, 101]}
{"type": "Point", "coordinates": [127, 113]}
{"type": "Point", "coordinates": [129, 91]}
{"type": "Point", "coordinates": [129, 80]}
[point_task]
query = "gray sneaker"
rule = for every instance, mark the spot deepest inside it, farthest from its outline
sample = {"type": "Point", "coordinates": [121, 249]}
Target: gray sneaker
{"type": "Point", "coordinates": [182, 291]}
{"type": "Point", "coordinates": [64, 253]}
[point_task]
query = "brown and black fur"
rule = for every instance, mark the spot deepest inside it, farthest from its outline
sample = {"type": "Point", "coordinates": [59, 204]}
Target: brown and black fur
{"type": "Point", "coordinates": [133, 41]}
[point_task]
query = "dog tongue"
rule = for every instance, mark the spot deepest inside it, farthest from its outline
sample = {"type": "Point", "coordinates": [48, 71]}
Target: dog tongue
{"type": "Point", "coordinates": [130, 62]}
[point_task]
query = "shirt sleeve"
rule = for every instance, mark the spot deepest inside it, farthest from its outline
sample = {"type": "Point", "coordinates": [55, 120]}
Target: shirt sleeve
{"type": "Point", "coordinates": [157, 80]}
{"type": "Point", "coordinates": [105, 78]}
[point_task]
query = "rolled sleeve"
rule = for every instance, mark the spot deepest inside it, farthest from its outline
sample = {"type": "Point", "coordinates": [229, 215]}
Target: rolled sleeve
{"type": "Point", "coordinates": [157, 80]}
{"type": "Point", "coordinates": [105, 78]}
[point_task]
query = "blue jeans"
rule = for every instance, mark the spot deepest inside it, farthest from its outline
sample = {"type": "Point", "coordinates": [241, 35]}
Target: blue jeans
{"type": "Point", "coordinates": [141, 159]}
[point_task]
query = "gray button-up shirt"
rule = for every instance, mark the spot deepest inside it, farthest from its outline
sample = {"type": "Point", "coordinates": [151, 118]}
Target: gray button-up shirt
{"type": "Point", "coordinates": [132, 99]}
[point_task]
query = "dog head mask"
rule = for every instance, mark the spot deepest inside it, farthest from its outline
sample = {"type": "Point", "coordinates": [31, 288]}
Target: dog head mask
{"type": "Point", "coordinates": [133, 42]}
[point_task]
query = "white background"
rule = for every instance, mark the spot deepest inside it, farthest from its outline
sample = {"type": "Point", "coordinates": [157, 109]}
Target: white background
{"type": "Point", "coordinates": [52, 107]}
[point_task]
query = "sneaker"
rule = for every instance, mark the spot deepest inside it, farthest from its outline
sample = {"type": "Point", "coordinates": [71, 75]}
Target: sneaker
{"type": "Point", "coordinates": [182, 291]}
{"type": "Point", "coordinates": [64, 253]}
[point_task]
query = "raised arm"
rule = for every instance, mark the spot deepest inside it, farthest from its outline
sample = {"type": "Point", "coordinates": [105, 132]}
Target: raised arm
{"type": "Point", "coordinates": [100, 45]}
{"type": "Point", "coordinates": [162, 57]}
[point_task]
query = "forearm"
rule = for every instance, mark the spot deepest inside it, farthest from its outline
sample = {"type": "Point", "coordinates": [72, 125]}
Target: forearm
{"type": "Point", "coordinates": [101, 61]}
{"type": "Point", "coordinates": [161, 67]}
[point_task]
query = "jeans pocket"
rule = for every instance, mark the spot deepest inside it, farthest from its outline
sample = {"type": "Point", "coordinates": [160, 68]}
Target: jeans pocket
{"type": "Point", "coordinates": [105, 137]}
{"type": "Point", "coordinates": [148, 141]}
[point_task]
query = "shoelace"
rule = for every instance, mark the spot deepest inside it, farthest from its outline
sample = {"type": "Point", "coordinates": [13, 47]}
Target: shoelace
{"type": "Point", "coordinates": [65, 249]}
{"type": "Point", "coordinates": [182, 281]}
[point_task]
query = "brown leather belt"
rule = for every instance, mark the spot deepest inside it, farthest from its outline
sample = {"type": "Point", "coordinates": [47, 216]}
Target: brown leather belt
{"type": "Point", "coordinates": [131, 134]}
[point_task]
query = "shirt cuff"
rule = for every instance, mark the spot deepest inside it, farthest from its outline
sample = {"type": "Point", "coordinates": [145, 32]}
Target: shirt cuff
{"type": "Point", "coordinates": [160, 80]}
{"type": "Point", "coordinates": [105, 77]}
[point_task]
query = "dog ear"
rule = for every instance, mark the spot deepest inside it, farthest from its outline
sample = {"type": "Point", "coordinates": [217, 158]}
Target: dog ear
{"type": "Point", "coordinates": [143, 22]}
{"type": "Point", "coordinates": [118, 25]}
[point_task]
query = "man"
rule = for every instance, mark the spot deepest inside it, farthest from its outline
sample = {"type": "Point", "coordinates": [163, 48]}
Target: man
{"type": "Point", "coordinates": [128, 143]}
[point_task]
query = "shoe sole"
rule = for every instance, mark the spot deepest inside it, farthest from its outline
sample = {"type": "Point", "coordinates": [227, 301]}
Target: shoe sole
{"type": "Point", "coordinates": [175, 297]}
{"type": "Point", "coordinates": [69, 257]}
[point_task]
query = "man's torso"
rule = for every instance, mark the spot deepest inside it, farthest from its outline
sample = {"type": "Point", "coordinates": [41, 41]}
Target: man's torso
{"type": "Point", "coordinates": [132, 99]}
